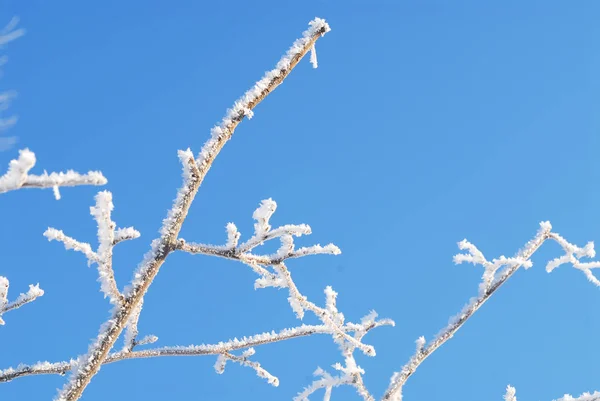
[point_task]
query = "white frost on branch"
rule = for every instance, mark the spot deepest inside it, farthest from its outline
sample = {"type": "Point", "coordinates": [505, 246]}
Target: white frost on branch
{"type": "Point", "coordinates": [108, 237]}
{"type": "Point", "coordinates": [490, 268]}
{"type": "Point", "coordinates": [194, 173]}
{"type": "Point", "coordinates": [313, 57]}
{"type": "Point", "coordinates": [510, 394]}
{"type": "Point", "coordinates": [34, 292]}
{"type": "Point", "coordinates": [495, 274]}
{"type": "Point", "coordinates": [595, 396]}
{"type": "Point", "coordinates": [241, 107]}
{"type": "Point", "coordinates": [244, 360]}
{"type": "Point", "coordinates": [18, 176]}
{"type": "Point", "coordinates": [274, 273]}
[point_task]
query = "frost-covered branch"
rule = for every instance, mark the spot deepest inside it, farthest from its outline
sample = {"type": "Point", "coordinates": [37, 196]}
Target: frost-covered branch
{"type": "Point", "coordinates": [191, 350]}
{"type": "Point", "coordinates": [5, 306]}
{"type": "Point", "coordinates": [511, 392]}
{"type": "Point", "coordinates": [350, 372]}
{"type": "Point", "coordinates": [108, 237]}
{"type": "Point", "coordinates": [18, 176]}
{"type": "Point", "coordinates": [496, 272]}
{"type": "Point", "coordinates": [244, 360]}
{"type": "Point", "coordinates": [193, 176]}
{"type": "Point", "coordinates": [274, 273]}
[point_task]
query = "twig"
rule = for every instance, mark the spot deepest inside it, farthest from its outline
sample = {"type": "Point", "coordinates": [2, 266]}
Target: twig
{"type": "Point", "coordinates": [18, 176]}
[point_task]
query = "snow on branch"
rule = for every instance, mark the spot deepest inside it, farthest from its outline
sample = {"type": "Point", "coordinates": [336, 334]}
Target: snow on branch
{"type": "Point", "coordinates": [5, 306]}
{"type": "Point", "coordinates": [244, 360]}
{"type": "Point", "coordinates": [18, 176]}
{"type": "Point", "coordinates": [194, 173]}
{"type": "Point", "coordinates": [279, 276]}
{"type": "Point", "coordinates": [274, 273]}
{"type": "Point", "coordinates": [511, 392]}
{"type": "Point", "coordinates": [108, 237]}
{"type": "Point", "coordinates": [191, 350]}
{"type": "Point", "coordinates": [244, 105]}
{"type": "Point", "coordinates": [496, 272]}
{"type": "Point", "coordinates": [262, 233]}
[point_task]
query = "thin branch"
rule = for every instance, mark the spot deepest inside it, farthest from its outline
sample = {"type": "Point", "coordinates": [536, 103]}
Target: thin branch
{"type": "Point", "coordinates": [510, 395]}
{"type": "Point", "coordinates": [194, 173]}
{"type": "Point", "coordinates": [244, 360]}
{"type": "Point", "coordinates": [496, 273]}
{"type": "Point", "coordinates": [5, 306]}
{"type": "Point", "coordinates": [18, 176]}
{"type": "Point", "coordinates": [108, 237]}
{"type": "Point", "coordinates": [42, 368]}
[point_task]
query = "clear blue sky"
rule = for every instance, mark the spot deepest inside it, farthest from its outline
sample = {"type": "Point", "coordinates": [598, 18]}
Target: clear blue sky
{"type": "Point", "coordinates": [426, 122]}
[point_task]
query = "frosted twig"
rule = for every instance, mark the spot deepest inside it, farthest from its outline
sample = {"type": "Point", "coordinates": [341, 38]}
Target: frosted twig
{"type": "Point", "coordinates": [108, 237]}
{"type": "Point", "coordinates": [351, 373]}
{"type": "Point", "coordinates": [18, 176]}
{"type": "Point", "coordinates": [194, 173]}
{"type": "Point", "coordinates": [245, 361]}
{"type": "Point", "coordinates": [192, 350]}
{"type": "Point", "coordinates": [595, 396]}
{"type": "Point", "coordinates": [282, 277]}
{"type": "Point", "coordinates": [492, 279]}
{"type": "Point", "coordinates": [510, 395]}
{"type": "Point", "coordinates": [5, 306]}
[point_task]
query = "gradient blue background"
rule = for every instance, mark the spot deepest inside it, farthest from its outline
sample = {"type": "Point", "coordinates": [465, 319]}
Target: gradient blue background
{"type": "Point", "coordinates": [426, 122]}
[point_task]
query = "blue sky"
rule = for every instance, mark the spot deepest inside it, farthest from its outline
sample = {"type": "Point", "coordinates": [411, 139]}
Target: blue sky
{"type": "Point", "coordinates": [426, 122]}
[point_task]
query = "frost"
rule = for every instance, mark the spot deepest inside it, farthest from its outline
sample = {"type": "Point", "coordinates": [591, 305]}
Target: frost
{"type": "Point", "coordinates": [18, 176]}
{"type": "Point", "coordinates": [313, 57]}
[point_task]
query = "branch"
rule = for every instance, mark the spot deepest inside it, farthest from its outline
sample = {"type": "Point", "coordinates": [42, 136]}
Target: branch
{"type": "Point", "coordinates": [496, 273]}
{"type": "Point", "coordinates": [194, 173]}
{"type": "Point", "coordinates": [351, 373]}
{"type": "Point", "coordinates": [61, 368]}
{"type": "Point", "coordinates": [510, 395]}
{"type": "Point", "coordinates": [18, 176]}
{"type": "Point", "coordinates": [34, 292]}
{"type": "Point", "coordinates": [108, 237]}
{"type": "Point", "coordinates": [245, 361]}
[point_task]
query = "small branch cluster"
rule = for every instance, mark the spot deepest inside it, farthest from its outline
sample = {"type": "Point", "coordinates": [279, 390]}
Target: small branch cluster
{"type": "Point", "coordinates": [18, 176]}
{"type": "Point", "coordinates": [496, 272]}
{"type": "Point", "coordinates": [108, 237]}
{"type": "Point", "coordinates": [274, 273]}
{"type": "Point", "coordinates": [244, 360]}
{"type": "Point", "coordinates": [34, 292]}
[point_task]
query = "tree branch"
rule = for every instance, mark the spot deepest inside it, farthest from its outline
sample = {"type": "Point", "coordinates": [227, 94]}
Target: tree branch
{"type": "Point", "coordinates": [496, 273]}
{"type": "Point", "coordinates": [18, 176]}
{"type": "Point", "coordinates": [61, 368]}
{"type": "Point", "coordinates": [194, 173]}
